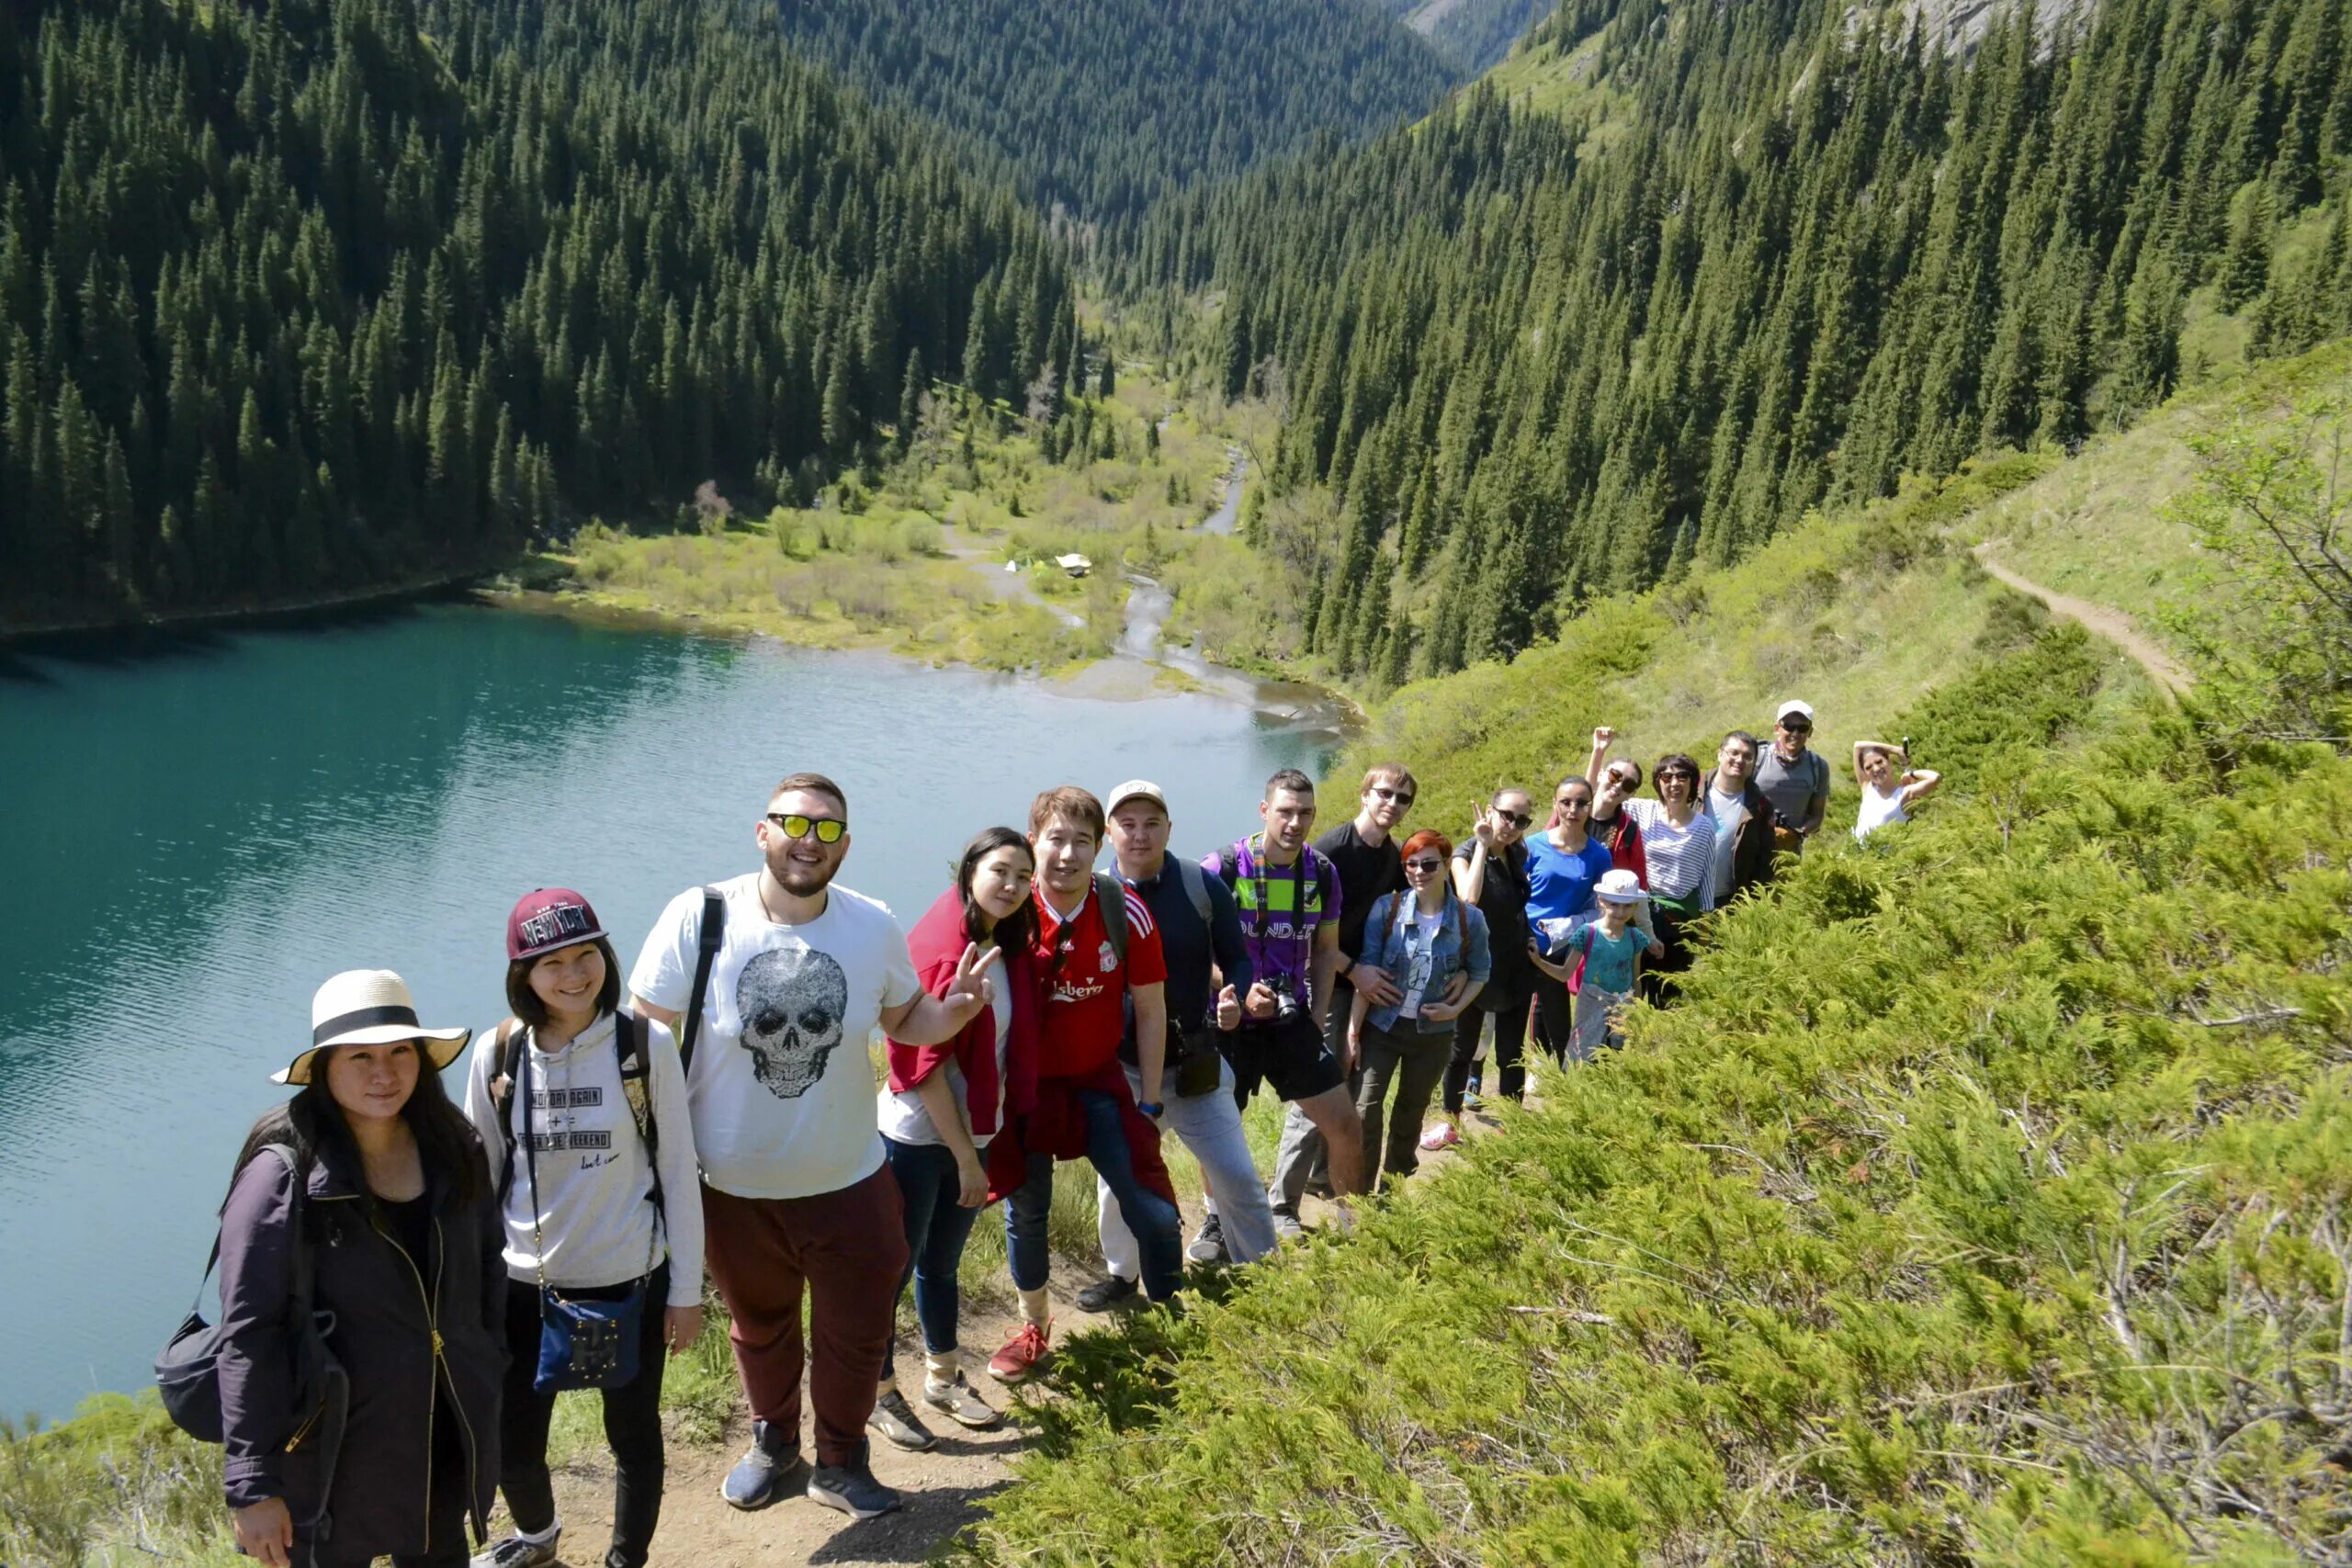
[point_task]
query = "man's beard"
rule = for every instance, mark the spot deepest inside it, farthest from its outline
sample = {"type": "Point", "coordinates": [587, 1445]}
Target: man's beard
{"type": "Point", "coordinates": [799, 879]}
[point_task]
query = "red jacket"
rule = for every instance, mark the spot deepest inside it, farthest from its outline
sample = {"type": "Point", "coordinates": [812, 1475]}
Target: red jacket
{"type": "Point", "coordinates": [937, 945]}
{"type": "Point", "coordinates": [1623, 839]}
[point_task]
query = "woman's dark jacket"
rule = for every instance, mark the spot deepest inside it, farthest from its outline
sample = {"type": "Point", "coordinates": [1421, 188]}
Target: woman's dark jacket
{"type": "Point", "coordinates": [385, 1334]}
{"type": "Point", "coordinates": [1752, 847]}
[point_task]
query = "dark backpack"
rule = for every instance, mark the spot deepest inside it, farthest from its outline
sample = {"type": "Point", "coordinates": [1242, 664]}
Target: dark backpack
{"type": "Point", "coordinates": [187, 1373]}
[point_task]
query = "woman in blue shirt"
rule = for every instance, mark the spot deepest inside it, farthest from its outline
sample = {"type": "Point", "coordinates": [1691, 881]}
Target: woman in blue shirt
{"type": "Point", "coordinates": [1565, 864]}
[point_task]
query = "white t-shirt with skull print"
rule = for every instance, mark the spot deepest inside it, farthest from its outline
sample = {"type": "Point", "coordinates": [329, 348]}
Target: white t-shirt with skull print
{"type": "Point", "coordinates": [782, 1085]}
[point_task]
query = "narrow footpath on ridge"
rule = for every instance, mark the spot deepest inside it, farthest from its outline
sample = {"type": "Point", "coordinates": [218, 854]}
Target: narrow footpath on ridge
{"type": "Point", "coordinates": [943, 1488]}
{"type": "Point", "coordinates": [2113, 625]}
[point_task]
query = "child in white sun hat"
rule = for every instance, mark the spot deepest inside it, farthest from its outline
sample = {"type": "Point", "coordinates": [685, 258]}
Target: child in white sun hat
{"type": "Point", "coordinates": [1611, 946]}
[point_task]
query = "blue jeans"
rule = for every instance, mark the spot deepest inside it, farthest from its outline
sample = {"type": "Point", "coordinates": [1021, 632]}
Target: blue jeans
{"type": "Point", "coordinates": [937, 1227]}
{"type": "Point", "coordinates": [1157, 1226]}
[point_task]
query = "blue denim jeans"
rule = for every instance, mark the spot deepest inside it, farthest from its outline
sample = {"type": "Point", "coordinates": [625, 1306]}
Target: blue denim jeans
{"type": "Point", "coordinates": [937, 1227]}
{"type": "Point", "coordinates": [1157, 1226]}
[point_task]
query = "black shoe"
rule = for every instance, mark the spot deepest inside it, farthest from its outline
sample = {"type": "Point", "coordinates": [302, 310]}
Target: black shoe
{"type": "Point", "coordinates": [1106, 1295]}
{"type": "Point", "coordinates": [1208, 1243]}
{"type": "Point", "coordinates": [851, 1487]}
{"type": "Point", "coordinates": [761, 1475]}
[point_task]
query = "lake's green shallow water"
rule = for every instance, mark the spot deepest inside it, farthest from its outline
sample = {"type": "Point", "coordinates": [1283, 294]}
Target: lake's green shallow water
{"type": "Point", "coordinates": [200, 830]}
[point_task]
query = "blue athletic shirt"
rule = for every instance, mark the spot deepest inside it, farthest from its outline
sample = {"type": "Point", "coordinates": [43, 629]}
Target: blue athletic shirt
{"type": "Point", "coordinates": [1560, 885]}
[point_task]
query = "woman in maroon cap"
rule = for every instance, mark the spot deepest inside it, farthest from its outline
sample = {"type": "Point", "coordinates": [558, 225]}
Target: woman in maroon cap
{"type": "Point", "coordinates": [582, 1107]}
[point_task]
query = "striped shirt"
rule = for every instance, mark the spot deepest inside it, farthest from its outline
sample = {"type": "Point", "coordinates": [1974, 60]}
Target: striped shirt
{"type": "Point", "coordinates": [1682, 860]}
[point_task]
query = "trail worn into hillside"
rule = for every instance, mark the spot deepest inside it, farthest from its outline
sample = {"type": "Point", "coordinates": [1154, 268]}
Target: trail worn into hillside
{"type": "Point", "coordinates": [2113, 625]}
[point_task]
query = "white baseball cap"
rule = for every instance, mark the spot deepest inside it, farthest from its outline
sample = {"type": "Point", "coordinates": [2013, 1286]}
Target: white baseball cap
{"type": "Point", "coordinates": [1131, 790]}
{"type": "Point", "coordinates": [1795, 707]}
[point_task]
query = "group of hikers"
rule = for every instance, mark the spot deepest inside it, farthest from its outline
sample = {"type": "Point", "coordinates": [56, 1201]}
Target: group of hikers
{"type": "Point", "coordinates": [407, 1279]}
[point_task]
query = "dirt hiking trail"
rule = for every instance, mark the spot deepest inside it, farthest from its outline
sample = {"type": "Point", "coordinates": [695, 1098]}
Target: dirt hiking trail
{"type": "Point", "coordinates": [2113, 625]}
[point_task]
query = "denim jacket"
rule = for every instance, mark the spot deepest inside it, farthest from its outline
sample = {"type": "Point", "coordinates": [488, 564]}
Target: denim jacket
{"type": "Point", "coordinates": [1461, 944]}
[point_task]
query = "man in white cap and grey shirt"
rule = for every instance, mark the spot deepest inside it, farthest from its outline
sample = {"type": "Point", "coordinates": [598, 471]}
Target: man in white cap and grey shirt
{"type": "Point", "coordinates": [1793, 777]}
{"type": "Point", "coordinates": [1200, 935]}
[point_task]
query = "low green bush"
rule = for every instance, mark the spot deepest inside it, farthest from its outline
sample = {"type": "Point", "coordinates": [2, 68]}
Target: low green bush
{"type": "Point", "coordinates": [1983, 1200]}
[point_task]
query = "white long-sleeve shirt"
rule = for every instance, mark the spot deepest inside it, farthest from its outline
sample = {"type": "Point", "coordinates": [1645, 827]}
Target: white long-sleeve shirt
{"type": "Point", "coordinates": [595, 1194]}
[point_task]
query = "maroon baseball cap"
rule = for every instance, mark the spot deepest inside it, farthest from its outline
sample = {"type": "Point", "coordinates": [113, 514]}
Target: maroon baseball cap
{"type": "Point", "coordinates": [548, 917]}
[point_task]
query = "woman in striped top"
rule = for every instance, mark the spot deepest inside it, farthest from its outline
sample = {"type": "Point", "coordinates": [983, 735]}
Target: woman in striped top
{"type": "Point", "coordinates": [1678, 847]}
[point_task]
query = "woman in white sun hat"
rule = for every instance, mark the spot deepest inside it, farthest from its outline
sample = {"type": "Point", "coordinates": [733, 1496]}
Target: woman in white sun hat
{"type": "Point", "coordinates": [373, 1182]}
{"type": "Point", "coordinates": [1610, 948]}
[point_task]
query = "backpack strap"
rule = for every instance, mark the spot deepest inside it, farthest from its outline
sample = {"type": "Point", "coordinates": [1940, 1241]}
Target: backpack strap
{"type": "Point", "coordinates": [507, 1057]}
{"type": "Point", "coordinates": [1113, 895]}
{"type": "Point", "coordinates": [634, 1041]}
{"type": "Point", "coordinates": [714, 934]}
{"type": "Point", "coordinates": [1196, 887]}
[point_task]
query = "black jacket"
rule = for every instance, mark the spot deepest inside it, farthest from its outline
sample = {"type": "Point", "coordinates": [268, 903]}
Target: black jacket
{"type": "Point", "coordinates": [1751, 847]}
{"type": "Point", "coordinates": [386, 1325]}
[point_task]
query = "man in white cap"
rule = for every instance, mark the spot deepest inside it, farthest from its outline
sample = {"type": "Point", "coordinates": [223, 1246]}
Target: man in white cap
{"type": "Point", "coordinates": [1795, 778]}
{"type": "Point", "coordinates": [1200, 935]}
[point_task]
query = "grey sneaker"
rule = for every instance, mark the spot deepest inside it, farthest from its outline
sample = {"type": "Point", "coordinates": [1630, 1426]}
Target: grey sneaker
{"type": "Point", "coordinates": [960, 1404]}
{"type": "Point", "coordinates": [1208, 1243]}
{"type": "Point", "coordinates": [517, 1552]}
{"type": "Point", "coordinates": [851, 1487]}
{"type": "Point", "coordinates": [895, 1420]}
{"type": "Point", "coordinates": [1287, 1226]}
{"type": "Point", "coordinates": [761, 1476]}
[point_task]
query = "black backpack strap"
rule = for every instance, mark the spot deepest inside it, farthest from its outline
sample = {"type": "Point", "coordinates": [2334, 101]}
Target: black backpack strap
{"type": "Point", "coordinates": [634, 1041]}
{"type": "Point", "coordinates": [506, 1059]}
{"type": "Point", "coordinates": [714, 934]}
{"type": "Point", "coordinates": [1113, 892]}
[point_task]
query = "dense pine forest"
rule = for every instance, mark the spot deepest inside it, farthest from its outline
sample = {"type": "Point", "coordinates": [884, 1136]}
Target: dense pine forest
{"type": "Point", "coordinates": [306, 296]}
{"type": "Point", "coordinates": [1473, 34]}
{"type": "Point", "coordinates": [1103, 105]}
{"type": "Point", "coordinates": [1768, 255]}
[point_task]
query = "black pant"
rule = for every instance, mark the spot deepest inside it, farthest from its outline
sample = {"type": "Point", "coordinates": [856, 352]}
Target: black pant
{"type": "Point", "coordinates": [1511, 1035]}
{"type": "Point", "coordinates": [1670, 956]}
{"type": "Point", "coordinates": [447, 1509]}
{"type": "Point", "coordinates": [632, 1424]}
{"type": "Point", "coordinates": [1556, 1021]}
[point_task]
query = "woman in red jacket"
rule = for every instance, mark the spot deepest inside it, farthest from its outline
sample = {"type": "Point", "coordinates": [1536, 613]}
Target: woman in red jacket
{"type": "Point", "coordinates": [945, 1102]}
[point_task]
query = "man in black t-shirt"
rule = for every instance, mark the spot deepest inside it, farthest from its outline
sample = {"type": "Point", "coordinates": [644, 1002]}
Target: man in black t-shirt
{"type": "Point", "coordinates": [1363, 852]}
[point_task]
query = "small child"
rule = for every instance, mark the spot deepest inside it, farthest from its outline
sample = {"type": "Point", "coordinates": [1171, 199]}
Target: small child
{"type": "Point", "coordinates": [1611, 946]}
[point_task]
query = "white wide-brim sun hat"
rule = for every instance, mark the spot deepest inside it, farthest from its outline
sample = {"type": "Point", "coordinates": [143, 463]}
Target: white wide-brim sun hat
{"type": "Point", "coordinates": [1620, 887]}
{"type": "Point", "coordinates": [369, 1007]}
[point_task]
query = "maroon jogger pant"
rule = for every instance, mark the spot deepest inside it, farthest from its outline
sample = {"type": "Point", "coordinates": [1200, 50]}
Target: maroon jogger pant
{"type": "Point", "coordinates": [849, 1248]}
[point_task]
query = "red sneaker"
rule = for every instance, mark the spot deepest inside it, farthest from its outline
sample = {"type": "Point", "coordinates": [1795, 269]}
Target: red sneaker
{"type": "Point", "coordinates": [1020, 1358]}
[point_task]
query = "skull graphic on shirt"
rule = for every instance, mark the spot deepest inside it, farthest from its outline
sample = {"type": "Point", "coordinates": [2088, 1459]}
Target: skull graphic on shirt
{"type": "Point", "coordinates": [791, 1002]}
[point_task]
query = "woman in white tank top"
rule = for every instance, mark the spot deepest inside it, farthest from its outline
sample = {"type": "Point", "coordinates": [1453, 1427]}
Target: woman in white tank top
{"type": "Point", "coordinates": [1887, 795]}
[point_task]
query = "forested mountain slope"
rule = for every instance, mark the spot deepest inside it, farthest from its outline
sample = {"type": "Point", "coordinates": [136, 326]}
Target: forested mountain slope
{"type": "Point", "coordinates": [303, 298]}
{"type": "Point", "coordinates": [1474, 34]}
{"type": "Point", "coordinates": [1105, 105]}
{"type": "Point", "coordinates": [1804, 255]}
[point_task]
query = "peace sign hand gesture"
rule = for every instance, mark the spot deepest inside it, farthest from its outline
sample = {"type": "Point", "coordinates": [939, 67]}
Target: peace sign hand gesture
{"type": "Point", "coordinates": [971, 989]}
{"type": "Point", "coordinates": [1485, 824]}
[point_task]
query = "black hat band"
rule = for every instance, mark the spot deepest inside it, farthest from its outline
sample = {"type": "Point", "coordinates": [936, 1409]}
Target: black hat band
{"type": "Point", "coordinates": [366, 1017]}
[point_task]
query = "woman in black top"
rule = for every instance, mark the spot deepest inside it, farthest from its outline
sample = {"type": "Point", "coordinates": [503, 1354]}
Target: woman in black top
{"type": "Point", "coordinates": [1490, 871]}
{"type": "Point", "coordinates": [396, 1218]}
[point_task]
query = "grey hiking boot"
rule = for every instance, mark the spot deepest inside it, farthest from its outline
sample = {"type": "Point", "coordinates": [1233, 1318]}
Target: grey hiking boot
{"type": "Point", "coordinates": [1208, 1243]}
{"type": "Point", "coordinates": [960, 1402]}
{"type": "Point", "coordinates": [851, 1487]}
{"type": "Point", "coordinates": [1105, 1294]}
{"type": "Point", "coordinates": [762, 1475]}
{"type": "Point", "coordinates": [895, 1420]}
{"type": "Point", "coordinates": [515, 1553]}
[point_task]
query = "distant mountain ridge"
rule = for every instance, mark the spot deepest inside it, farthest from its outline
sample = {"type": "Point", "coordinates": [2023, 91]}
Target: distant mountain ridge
{"type": "Point", "coordinates": [1101, 107]}
{"type": "Point", "coordinates": [1474, 34]}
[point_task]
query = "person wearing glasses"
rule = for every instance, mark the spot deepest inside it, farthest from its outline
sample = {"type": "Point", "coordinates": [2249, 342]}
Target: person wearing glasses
{"type": "Point", "coordinates": [1423, 939]}
{"type": "Point", "coordinates": [1363, 852]}
{"type": "Point", "coordinates": [782, 977]}
{"type": "Point", "coordinates": [1564, 864]}
{"type": "Point", "coordinates": [1795, 778]}
{"type": "Point", "coordinates": [1743, 820]}
{"type": "Point", "coordinates": [1614, 783]}
{"type": "Point", "coordinates": [1490, 871]}
{"type": "Point", "coordinates": [1678, 844]}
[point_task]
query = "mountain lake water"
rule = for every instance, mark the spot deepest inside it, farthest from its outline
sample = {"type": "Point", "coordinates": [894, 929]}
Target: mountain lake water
{"type": "Point", "coordinates": [202, 826]}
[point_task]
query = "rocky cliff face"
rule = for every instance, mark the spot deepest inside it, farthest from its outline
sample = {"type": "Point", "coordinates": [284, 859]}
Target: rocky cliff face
{"type": "Point", "coordinates": [1957, 26]}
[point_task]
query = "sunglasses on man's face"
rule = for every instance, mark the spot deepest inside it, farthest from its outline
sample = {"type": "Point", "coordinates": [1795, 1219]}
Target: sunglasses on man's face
{"type": "Point", "coordinates": [828, 830]}
{"type": "Point", "coordinates": [1401, 797]}
{"type": "Point", "coordinates": [1800, 728]}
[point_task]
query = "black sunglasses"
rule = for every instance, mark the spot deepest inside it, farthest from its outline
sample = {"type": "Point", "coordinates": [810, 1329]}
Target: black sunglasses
{"type": "Point", "coordinates": [1516, 819]}
{"type": "Point", "coordinates": [1423, 863]}
{"type": "Point", "coordinates": [828, 830]}
{"type": "Point", "coordinates": [1402, 796]}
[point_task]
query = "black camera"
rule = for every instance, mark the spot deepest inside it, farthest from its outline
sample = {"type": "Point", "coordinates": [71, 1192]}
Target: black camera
{"type": "Point", "coordinates": [1286, 1002]}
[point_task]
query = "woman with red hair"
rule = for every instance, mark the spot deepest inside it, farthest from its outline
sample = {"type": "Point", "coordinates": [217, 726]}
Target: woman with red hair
{"type": "Point", "coordinates": [1420, 937]}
